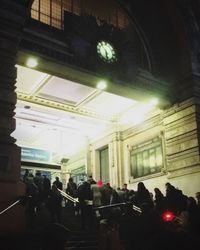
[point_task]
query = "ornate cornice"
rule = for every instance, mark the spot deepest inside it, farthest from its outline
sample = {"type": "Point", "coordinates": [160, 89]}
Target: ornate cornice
{"type": "Point", "coordinates": [64, 107]}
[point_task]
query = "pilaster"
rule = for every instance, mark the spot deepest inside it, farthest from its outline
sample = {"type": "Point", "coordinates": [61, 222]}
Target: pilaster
{"type": "Point", "coordinates": [117, 155]}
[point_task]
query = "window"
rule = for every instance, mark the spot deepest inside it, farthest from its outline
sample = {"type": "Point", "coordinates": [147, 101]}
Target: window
{"type": "Point", "coordinates": [35, 10]}
{"type": "Point", "coordinates": [56, 14]}
{"type": "Point", "coordinates": [51, 12]}
{"type": "Point", "coordinates": [76, 7]}
{"type": "Point", "coordinates": [146, 158]}
{"type": "Point", "coordinates": [45, 11]}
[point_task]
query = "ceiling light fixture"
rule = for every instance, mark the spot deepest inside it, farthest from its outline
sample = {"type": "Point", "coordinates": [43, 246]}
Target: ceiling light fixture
{"type": "Point", "coordinates": [102, 85]}
{"type": "Point", "coordinates": [154, 102]}
{"type": "Point", "coordinates": [31, 62]}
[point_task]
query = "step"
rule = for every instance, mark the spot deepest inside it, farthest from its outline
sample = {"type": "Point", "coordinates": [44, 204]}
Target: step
{"type": "Point", "coordinates": [81, 248]}
{"type": "Point", "coordinates": [82, 240]}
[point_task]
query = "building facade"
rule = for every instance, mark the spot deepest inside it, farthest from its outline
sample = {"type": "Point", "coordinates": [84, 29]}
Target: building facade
{"type": "Point", "coordinates": [145, 50]}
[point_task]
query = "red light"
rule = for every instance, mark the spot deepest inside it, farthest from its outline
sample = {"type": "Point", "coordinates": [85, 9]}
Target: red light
{"type": "Point", "coordinates": [168, 216]}
{"type": "Point", "coordinates": [100, 183]}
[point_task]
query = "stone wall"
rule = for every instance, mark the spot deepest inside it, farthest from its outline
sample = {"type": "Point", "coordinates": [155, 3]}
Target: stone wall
{"type": "Point", "coordinates": [12, 20]}
{"type": "Point", "coordinates": [179, 131]}
{"type": "Point", "coordinates": [181, 137]}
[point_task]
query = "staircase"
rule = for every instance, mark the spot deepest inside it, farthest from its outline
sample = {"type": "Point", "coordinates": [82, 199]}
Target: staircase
{"type": "Point", "coordinates": [82, 241]}
{"type": "Point", "coordinates": [68, 231]}
{"type": "Point", "coordinates": [78, 239]}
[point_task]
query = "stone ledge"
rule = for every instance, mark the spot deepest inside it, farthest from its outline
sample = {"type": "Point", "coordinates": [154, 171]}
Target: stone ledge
{"type": "Point", "coordinates": [184, 171]}
{"type": "Point", "coordinates": [147, 177]}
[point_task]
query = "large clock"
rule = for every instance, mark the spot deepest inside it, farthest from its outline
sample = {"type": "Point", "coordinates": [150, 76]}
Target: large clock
{"type": "Point", "coordinates": [106, 51]}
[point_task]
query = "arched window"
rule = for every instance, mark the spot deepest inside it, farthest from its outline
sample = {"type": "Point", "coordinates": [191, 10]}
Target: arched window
{"type": "Point", "coordinates": [51, 12]}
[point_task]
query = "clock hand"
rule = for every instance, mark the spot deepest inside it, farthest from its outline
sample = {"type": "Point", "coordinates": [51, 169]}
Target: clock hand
{"type": "Point", "coordinates": [107, 56]}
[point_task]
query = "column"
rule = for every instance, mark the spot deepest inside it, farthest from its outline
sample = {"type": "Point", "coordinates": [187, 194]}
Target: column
{"type": "Point", "coordinates": [116, 173]}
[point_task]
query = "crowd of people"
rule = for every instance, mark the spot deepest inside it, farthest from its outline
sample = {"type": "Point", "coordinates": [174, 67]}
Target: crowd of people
{"type": "Point", "coordinates": [183, 207]}
{"type": "Point", "coordinates": [95, 209]}
{"type": "Point", "coordinates": [40, 192]}
{"type": "Point", "coordinates": [146, 229]}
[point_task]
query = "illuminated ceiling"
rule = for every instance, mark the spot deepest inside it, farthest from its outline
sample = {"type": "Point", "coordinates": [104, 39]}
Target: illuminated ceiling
{"type": "Point", "coordinates": [61, 115]}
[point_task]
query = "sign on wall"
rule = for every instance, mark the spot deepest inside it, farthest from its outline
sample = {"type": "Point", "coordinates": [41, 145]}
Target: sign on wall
{"type": "Point", "coordinates": [32, 154]}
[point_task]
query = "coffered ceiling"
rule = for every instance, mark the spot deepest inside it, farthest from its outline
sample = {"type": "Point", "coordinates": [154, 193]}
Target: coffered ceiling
{"type": "Point", "coordinates": [61, 115]}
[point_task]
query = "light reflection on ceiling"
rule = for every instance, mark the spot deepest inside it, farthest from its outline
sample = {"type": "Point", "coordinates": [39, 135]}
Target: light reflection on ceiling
{"type": "Point", "coordinates": [93, 112]}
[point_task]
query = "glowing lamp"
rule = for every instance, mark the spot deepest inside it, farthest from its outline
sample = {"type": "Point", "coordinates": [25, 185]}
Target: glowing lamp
{"type": "Point", "coordinates": [168, 216]}
{"type": "Point", "coordinates": [102, 85]}
{"type": "Point", "coordinates": [154, 102]}
{"type": "Point", "coordinates": [31, 62]}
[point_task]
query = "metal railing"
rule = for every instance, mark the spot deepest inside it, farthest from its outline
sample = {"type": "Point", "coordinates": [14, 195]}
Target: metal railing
{"type": "Point", "coordinates": [75, 200]}
{"type": "Point", "coordinates": [10, 206]}
{"type": "Point", "coordinates": [118, 205]}
{"type": "Point", "coordinates": [67, 196]}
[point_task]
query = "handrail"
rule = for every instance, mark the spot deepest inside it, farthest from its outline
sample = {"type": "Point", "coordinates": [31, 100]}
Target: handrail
{"type": "Point", "coordinates": [138, 209]}
{"type": "Point", "coordinates": [117, 205]}
{"type": "Point", "coordinates": [67, 196]}
{"type": "Point", "coordinates": [75, 200]}
{"type": "Point", "coordinates": [9, 207]}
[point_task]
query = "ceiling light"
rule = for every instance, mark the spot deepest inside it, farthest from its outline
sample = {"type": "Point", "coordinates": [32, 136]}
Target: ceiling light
{"type": "Point", "coordinates": [138, 113]}
{"type": "Point", "coordinates": [102, 85]}
{"type": "Point", "coordinates": [31, 62]}
{"type": "Point", "coordinates": [154, 102]}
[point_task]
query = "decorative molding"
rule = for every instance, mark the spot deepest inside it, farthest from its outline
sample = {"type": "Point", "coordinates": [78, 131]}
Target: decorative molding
{"type": "Point", "coordinates": [184, 171]}
{"type": "Point", "coordinates": [178, 107]}
{"type": "Point", "coordinates": [117, 136]}
{"type": "Point", "coordinates": [147, 177]}
{"type": "Point", "coordinates": [64, 107]}
{"type": "Point", "coordinates": [60, 54]}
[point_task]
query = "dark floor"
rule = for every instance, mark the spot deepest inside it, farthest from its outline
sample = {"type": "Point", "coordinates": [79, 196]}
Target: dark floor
{"type": "Point", "coordinates": [44, 234]}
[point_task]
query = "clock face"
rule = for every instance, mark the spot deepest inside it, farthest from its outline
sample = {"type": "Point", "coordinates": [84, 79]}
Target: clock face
{"type": "Point", "coordinates": [106, 52]}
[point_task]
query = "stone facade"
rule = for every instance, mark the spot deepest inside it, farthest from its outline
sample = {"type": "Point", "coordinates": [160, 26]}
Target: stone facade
{"type": "Point", "coordinates": [177, 127]}
{"type": "Point", "coordinates": [12, 21]}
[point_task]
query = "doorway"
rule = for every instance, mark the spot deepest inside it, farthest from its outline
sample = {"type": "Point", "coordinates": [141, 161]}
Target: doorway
{"type": "Point", "coordinates": [104, 165]}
